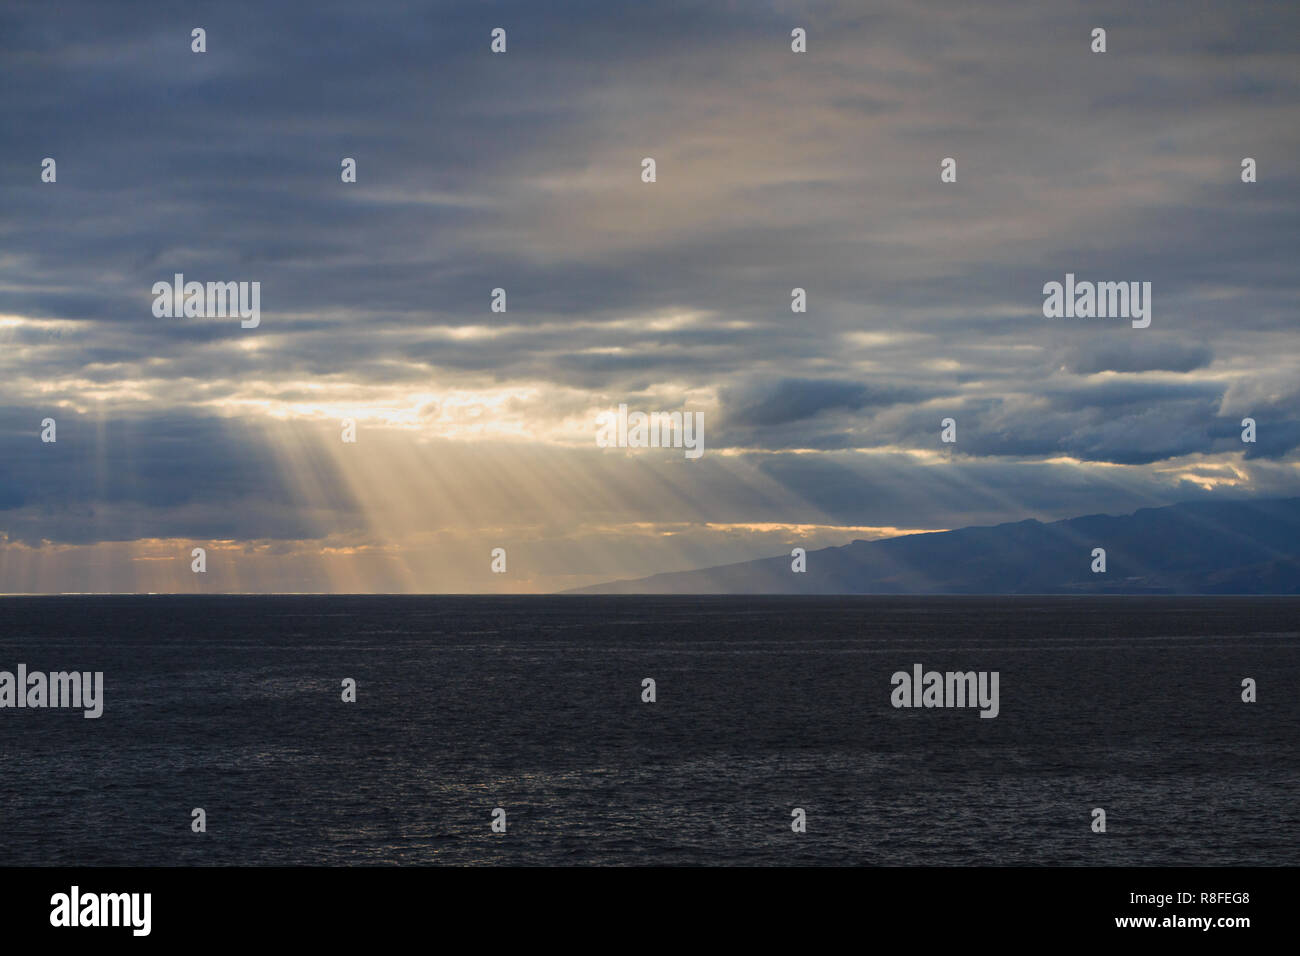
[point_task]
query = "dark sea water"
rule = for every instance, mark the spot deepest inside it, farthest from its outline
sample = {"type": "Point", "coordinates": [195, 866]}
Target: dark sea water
{"type": "Point", "coordinates": [533, 704]}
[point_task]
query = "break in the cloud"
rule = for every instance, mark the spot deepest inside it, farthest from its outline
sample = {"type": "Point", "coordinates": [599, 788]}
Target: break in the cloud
{"type": "Point", "coordinates": [522, 171]}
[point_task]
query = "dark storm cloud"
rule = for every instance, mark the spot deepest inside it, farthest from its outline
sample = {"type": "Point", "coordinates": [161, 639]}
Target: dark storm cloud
{"type": "Point", "coordinates": [1137, 357]}
{"type": "Point", "coordinates": [792, 400]}
{"type": "Point", "coordinates": [161, 475]}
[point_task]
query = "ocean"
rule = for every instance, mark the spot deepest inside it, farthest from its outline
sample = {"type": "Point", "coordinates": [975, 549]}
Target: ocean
{"type": "Point", "coordinates": [533, 705]}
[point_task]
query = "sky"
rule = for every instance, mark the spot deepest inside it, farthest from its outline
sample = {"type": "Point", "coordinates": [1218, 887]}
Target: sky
{"type": "Point", "coordinates": [522, 170]}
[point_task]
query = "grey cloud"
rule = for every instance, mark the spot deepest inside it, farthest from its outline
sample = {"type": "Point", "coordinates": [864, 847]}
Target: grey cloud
{"type": "Point", "coordinates": [793, 400]}
{"type": "Point", "coordinates": [1140, 356]}
{"type": "Point", "coordinates": [521, 171]}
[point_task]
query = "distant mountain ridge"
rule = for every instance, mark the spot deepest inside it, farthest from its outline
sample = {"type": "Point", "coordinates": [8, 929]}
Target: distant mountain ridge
{"type": "Point", "coordinates": [1201, 547]}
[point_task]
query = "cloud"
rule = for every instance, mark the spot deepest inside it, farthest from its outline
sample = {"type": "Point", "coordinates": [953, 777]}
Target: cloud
{"type": "Point", "coordinates": [794, 400]}
{"type": "Point", "coordinates": [1142, 356]}
{"type": "Point", "coordinates": [776, 170]}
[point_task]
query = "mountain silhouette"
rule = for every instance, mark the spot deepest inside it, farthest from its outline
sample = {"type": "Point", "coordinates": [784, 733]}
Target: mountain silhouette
{"type": "Point", "coordinates": [1202, 547]}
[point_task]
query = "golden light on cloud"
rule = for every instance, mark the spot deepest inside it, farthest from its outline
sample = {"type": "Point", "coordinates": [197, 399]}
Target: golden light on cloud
{"type": "Point", "coordinates": [866, 532]}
